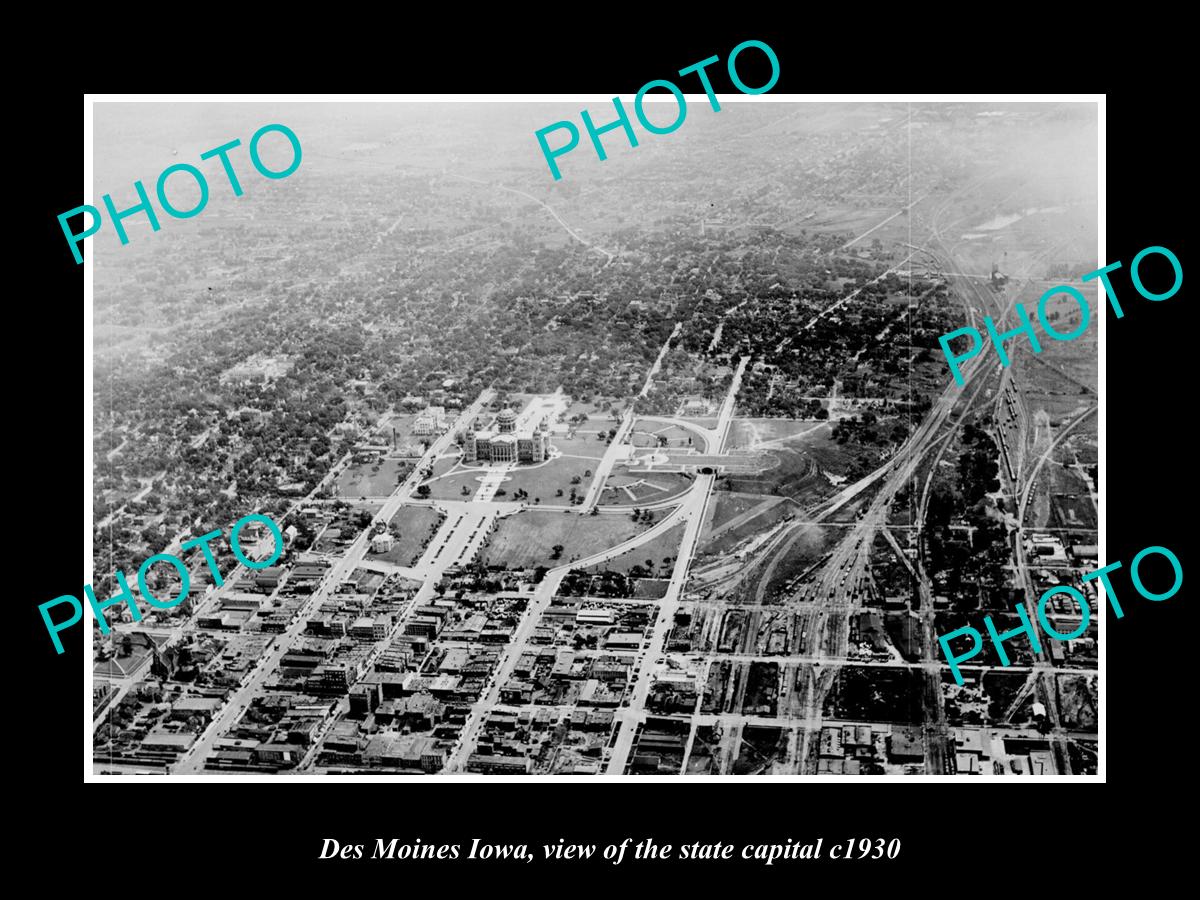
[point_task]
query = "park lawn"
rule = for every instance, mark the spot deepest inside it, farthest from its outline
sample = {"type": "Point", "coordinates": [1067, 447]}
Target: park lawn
{"type": "Point", "coordinates": [659, 486]}
{"type": "Point", "coordinates": [373, 479]}
{"type": "Point", "coordinates": [526, 539]}
{"type": "Point", "coordinates": [646, 434]}
{"type": "Point", "coordinates": [595, 436]}
{"type": "Point", "coordinates": [658, 550]}
{"type": "Point", "coordinates": [417, 526]}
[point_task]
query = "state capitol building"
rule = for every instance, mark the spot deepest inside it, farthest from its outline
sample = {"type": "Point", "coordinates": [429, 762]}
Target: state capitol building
{"type": "Point", "coordinates": [503, 443]}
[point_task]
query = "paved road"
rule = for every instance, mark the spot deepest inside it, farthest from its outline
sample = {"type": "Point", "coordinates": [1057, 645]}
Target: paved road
{"type": "Point", "coordinates": [692, 512]}
{"type": "Point", "coordinates": [845, 581]}
{"type": "Point", "coordinates": [193, 760]}
{"type": "Point", "coordinates": [542, 598]}
{"type": "Point", "coordinates": [628, 718]}
{"type": "Point", "coordinates": [611, 454]}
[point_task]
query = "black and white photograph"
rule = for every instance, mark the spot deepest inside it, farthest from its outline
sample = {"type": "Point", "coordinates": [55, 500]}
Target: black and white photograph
{"type": "Point", "coordinates": [501, 438]}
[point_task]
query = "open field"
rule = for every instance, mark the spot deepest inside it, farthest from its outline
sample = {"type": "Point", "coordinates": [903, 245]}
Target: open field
{"type": "Point", "coordinates": [377, 479]}
{"type": "Point", "coordinates": [726, 505]}
{"type": "Point", "coordinates": [1070, 500]}
{"type": "Point", "coordinates": [758, 518]}
{"type": "Point", "coordinates": [660, 551]}
{"type": "Point", "coordinates": [1061, 498]}
{"type": "Point", "coordinates": [807, 469]}
{"type": "Point", "coordinates": [746, 434]}
{"type": "Point", "coordinates": [402, 423]}
{"type": "Point", "coordinates": [526, 539]}
{"type": "Point", "coordinates": [796, 476]}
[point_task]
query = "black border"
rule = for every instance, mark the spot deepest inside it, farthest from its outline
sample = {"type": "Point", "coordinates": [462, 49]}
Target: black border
{"type": "Point", "coordinates": [1039, 831]}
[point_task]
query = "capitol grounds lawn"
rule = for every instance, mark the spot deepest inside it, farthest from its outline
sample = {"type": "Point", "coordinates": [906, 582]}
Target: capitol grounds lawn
{"type": "Point", "coordinates": [582, 444]}
{"type": "Point", "coordinates": [526, 539]}
{"type": "Point", "coordinates": [445, 463]}
{"type": "Point", "coordinates": [544, 479]}
{"type": "Point", "coordinates": [450, 487]}
{"type": "Point", "coordinates": [540, 480]}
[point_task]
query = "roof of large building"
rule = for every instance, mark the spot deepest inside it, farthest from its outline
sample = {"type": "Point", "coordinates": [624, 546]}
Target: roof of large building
{"type": "Point", "coordinates": [506, 415]}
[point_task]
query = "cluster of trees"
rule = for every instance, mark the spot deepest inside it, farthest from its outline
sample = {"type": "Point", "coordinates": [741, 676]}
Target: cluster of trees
{"type": "Point", "coordinates": [869, 430]}
{"type": "Point", "coordinates": [978, 465]}
{"type": "Point", "coordinates": [983, 551]}
{"type": "Point", "coordinates": [604, 584]}
{"type": "Point", "coordinates": [506, 312]}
